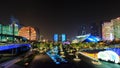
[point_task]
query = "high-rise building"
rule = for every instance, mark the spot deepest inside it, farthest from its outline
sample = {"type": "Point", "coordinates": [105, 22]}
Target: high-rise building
{"type": "Point", "coordinates": [63, 37]}
{"type": "Point", "coordinates": [107, 31]}
{"type": "Point", "coordinates": [111, 30]}
{"type": "Point", "coordinates": [91, 28]}
{"type": "Point", "coordinates": [55, 38]}
{"type": "Point", "coordinates": [116, 26]}
{"type": "Point", "coordinates": [59, 37]}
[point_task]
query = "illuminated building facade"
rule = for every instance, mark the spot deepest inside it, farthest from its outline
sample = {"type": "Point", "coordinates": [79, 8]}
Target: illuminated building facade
{"type": "Point", "coordinates": [55, 38]}
{"type": "Point", "coordinates": [28, 32]}
{"type": "Point", "coordinates": [8, 29]}
{"type": "Point", "coordinates": [63, 37]}
{"type": "Point", "coordinates": [8, 32]}
{"type": "Point", "coordinates": [111, 30]}
{"type": "Point", "coordinates": [60, 38]}
{"type": "Point", "coordinates": [107, 31]}
{"type": "Point", "coordinates": [116, 26]}
{"type": "Point", "coordinates": [11, 29]}
{"type": "Point", "coordinates": [92, 28]}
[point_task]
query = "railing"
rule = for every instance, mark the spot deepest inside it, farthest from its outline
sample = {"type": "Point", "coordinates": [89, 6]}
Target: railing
{"type": "Point", "coordinates": [12, 46]}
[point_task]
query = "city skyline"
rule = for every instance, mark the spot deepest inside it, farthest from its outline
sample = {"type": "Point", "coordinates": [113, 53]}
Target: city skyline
{"type": "Point", "coordinates": [59, 16]}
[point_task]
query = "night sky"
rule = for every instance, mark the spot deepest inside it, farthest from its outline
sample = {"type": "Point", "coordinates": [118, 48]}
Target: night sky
{"type": "Point", "coordinates": [59, 16]}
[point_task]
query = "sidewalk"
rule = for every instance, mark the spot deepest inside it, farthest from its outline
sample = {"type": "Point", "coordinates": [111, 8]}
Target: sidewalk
{"type": "Point", "coordinates": [15, 66]}
{"type": "Point", "coordinates": [41, 61]}
{"type": "Point", "coordinates": [8, 64]}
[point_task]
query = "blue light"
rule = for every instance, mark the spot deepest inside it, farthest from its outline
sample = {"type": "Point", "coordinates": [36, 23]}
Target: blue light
{"type": "Point", "coordinates": [55, 57]}
{"type": "Point", "coordinates": [56, 37]}
{"type": "Point", "coordinates": [63, 37]}
{"type": "Point", "coordinates": [11, 46]}
{"type": "Point", "coordinates": [116, 50]}
{"type": "Point", "coordinates": [92, 39]}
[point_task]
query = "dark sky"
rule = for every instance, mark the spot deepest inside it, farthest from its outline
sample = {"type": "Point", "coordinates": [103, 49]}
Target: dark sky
{"type": "Point", "coordinates": [59, 16]}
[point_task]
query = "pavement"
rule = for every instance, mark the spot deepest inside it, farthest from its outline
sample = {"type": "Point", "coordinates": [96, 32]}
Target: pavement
{"type": "Point", "coordinates": [11, 63]}
{"type": "Point", "coordinates": [44, 61]}
{"type": "Point", "coordinates": [16, 66]}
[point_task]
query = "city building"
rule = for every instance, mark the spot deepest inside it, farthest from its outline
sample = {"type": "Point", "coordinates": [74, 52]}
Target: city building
{"type": "Point", "coordinates": [107, 31]}
{"type": "Point", "coordinates": [11, 29]}
{"type": "Point", "coordinates": [63, 36]}
{"type": "Point", "coordinates": [116, 26]}
{"type": "Point", "coordinates": [28, 32]}
{"type": "Point", "coordinates": [59, 38]}
{"type": "Point", "coordinates": [92, 28]}
{"type": "Point", "coordinates": [111, 30]}
{"type": "Point", "coordinates": [55, 38]}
